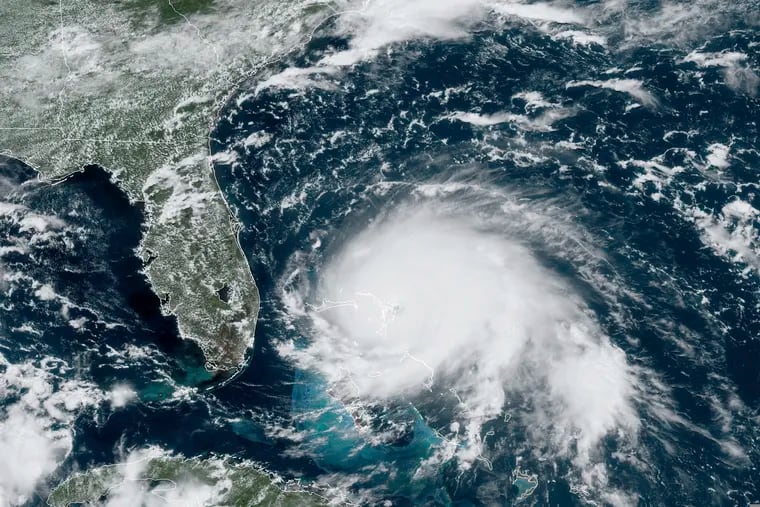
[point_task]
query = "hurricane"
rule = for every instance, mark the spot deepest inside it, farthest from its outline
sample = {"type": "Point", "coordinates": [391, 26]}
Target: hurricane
{"type": "Point", "coordinates": [507, 253]}
{"type": "Point", "coordinates": [449, 309]}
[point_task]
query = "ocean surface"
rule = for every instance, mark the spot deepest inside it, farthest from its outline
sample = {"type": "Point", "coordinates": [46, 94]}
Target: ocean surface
{"type": "Point", "coordinates": [507, 267]}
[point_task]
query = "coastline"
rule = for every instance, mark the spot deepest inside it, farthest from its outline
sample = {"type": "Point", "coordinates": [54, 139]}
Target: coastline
{"type": "Point", "coordinates": [158, 150]}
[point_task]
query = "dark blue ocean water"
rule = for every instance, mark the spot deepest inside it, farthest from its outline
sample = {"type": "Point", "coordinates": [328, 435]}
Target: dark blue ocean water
{"type": "Point", "coordinates": [338, 157]}
{"type": "Point", "coordinates": [334, 150]}
{"type": "Point", "coordinates": [89, 259]}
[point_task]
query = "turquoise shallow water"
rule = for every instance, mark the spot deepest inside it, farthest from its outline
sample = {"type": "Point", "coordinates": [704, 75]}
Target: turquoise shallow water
{"type": "Point", "coordinates": [337, 440]}
{"type": "Point", "coordinates": [630, 177]}
{"type": "Point", "coordinates": [651, 228]}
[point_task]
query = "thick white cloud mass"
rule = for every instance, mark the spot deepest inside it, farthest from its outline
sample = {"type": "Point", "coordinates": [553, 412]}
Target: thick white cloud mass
{"type": "Point", "coordinates": [444, 301]}
{"type": "Point", "coordinates": [371, 26]}
{"type": "Point", "coordinates": [36, 431]}
{"type": "Point", "coordinates": [134, 490]}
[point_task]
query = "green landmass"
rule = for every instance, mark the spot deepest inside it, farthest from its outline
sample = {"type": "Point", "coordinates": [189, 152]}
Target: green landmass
{"type": "Point", "coordinates": [170, 11]}
{"type": "Point", "coordinates": [210, 481]}
{"type": "Point", "coordinates": [134, 86]}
